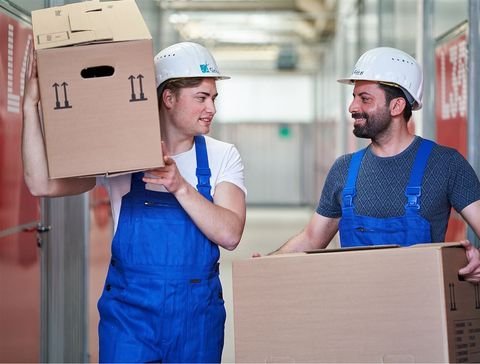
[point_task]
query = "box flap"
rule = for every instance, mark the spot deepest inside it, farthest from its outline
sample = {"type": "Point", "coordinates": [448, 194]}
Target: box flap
{"type": "Point", "coordinates": [437, 245]}
{"type": "Point", "coordinates": [91, 19]}
{"type": "Point", "coordinates": [87, 22]}
{"type": "Point", "coordinates": [376, 247]}
{"type": "Point", "coordinates": [355, 248]}
{"type": "Point", "coordinates": [79, 16]}
{"type": "Point", "coordinates": [109, 174]}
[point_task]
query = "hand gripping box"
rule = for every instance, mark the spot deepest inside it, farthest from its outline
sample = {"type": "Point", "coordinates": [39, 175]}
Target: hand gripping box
{"type": "Point", "coordinates": [368, 305]}
{"type": "Point", "coordinates": [97, 89]}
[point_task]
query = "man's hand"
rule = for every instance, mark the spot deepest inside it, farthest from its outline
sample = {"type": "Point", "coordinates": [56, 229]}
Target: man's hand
{"type": "Point", "coordinates": [471, 272]}
{"type": "Point", "coordinates": [31, 95]}
{"type": "Point", "coordinates": [168, 175]}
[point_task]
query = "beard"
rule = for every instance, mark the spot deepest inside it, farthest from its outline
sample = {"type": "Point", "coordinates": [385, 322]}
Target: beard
{"type": "Point", "coordinates": [374, 126]}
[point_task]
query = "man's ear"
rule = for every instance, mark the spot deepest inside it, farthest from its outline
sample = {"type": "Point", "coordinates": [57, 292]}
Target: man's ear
{"type": "Point", "coordinates": [168, 98]}
{"type": "Point", "coordinates": [397, 105]}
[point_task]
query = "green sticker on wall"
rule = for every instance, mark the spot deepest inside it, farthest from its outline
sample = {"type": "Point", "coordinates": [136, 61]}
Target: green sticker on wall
{"type": "Point", "coordinates": [284, 131]}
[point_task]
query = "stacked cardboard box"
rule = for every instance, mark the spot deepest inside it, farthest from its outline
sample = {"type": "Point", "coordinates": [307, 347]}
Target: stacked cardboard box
{"type": "Point", "coordinates": [97, 88]}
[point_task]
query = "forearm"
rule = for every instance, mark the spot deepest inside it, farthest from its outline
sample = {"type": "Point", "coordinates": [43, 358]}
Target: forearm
{"type": "Point", "coordinates": [471, 272]}
{"type": "Point", "coordinates": [223, 221]}
{"type": "Point", "coordinates": [33, 152]}
{"type": "Point", "coordinates": [35, 166]}
{"type": "Point", "coordinates": [471, 214]}
{"type": "Point", "coordinates": [317, 235]}
{"type": "Point", "coordinates": [298, 243]}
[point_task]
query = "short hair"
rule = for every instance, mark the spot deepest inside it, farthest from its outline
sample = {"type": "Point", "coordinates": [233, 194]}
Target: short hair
{"type": "Point", "coordinates": [392, 92]}
{"type": "Point", "coordinates": [176, 84]}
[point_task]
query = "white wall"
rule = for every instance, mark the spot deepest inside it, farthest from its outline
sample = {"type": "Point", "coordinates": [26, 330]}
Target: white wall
{"type": "Point", "coordinates": [272, 97]}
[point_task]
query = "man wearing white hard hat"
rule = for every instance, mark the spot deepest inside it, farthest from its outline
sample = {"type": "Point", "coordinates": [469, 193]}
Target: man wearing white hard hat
{"type": "Point", "coordinates": [162, 300]}
{"type": "Point", "coordinates": [401, 188]}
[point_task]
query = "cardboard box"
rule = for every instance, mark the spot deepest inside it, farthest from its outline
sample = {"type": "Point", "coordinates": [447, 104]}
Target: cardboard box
{"type": "Point", "coordinates": [97, 89]}
{"type": "Point", "coordinates": [367, 305]}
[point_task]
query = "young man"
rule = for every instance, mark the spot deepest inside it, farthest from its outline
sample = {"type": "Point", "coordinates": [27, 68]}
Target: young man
{"type": "Point", "coordinates": [162, 300]}
{"type": "Point", "coordinates": [400, 189]}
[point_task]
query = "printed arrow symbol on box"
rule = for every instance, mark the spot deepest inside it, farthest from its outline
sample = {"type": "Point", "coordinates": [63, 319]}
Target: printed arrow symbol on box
{"type": "Point", "coordinates": [57, 102]}
{"type": "Point", "coordinates": [140, 78]}
{"type": "Point", "coordinates": [133, 96]}
{"type": "Point", "coordinates": [64, 84]}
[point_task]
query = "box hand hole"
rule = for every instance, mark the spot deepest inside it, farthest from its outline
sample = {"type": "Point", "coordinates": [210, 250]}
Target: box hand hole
{"type": "Point", "coordinates": [97, 71]}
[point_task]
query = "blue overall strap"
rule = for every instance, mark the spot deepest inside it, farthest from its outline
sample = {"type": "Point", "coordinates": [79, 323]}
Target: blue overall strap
{"type": "Point", "coordinates": [414, 187]}
{"type": "Point", "coordinates": [349, 190]}
{"type": "Point", "coordinates": [203, 170]}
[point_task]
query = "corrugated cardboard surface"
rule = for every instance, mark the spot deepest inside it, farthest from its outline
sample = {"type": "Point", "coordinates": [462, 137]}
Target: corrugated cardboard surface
{"type": "Point", "coordinates": [463, 313]}
{"type": "Point", "coordinates": [107, 124]}
{"type": "Point", "coordinates": [88, 21]}
{"type": "Point", "coordinates": [387, 305]}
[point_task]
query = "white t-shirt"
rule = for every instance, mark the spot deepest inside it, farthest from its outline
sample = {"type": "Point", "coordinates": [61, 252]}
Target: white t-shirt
{"type": "Point", "coordinates": [224, 161]}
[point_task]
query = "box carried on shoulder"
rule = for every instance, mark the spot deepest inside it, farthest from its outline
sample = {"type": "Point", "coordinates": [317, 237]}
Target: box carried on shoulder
{"type": "Point", "coordinates": [97, 89]}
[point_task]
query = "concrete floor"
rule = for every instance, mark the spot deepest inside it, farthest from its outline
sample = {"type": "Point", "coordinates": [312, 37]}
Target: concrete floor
{"type": "Point", "coordinates": [265, 230]}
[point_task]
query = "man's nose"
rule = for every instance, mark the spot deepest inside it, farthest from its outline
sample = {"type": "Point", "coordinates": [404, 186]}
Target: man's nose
{"type": "Point", "coordinates": [353, 106]}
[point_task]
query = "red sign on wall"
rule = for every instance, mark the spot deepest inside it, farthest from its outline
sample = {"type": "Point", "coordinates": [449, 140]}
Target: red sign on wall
{"type": "Point", "coordinates": [451, 59]}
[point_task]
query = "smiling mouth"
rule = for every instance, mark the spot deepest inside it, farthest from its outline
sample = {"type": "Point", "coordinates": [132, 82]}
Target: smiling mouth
{"type": "Point", "coordinates": [359, 121]}
{"type": "Point", "coordinates": [358, 118]}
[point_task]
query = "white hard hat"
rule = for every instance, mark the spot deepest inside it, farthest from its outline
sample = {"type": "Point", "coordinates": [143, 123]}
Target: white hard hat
{"type": "Point", "coordinates": [390, 66]}
{"type": "Point", "coordinates": [185, 59]}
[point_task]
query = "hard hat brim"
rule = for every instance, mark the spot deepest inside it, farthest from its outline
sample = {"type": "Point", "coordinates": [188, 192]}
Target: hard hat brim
{"type": "Point", "coordinates": [351, 81]}
{"type": "Point", "coordinates": [217, 78]}
{"type": "Point", "coordinates": [347, 81]}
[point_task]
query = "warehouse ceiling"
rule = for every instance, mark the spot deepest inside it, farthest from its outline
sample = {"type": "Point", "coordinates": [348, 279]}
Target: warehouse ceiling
{"type": "Point", "coordinates": [281, 33]}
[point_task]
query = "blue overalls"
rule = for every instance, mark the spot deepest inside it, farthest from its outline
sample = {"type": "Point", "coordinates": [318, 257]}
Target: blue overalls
{"type": "Point", "coordinates": [162, 300]}
{"type": "Point", "coordinates": [411, 228]}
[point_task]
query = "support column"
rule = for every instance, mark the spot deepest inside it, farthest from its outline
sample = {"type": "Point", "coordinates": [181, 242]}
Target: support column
{"type": "Point", "coordinates": [473, 116]}
{"type": "Point", "coordinates": [425, 121]}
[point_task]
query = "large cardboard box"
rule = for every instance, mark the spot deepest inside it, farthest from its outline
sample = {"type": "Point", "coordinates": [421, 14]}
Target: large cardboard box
{"type": "Point", "coordinates": [97, 88]}
{"type": "Point", "coordinates": [368, 305]}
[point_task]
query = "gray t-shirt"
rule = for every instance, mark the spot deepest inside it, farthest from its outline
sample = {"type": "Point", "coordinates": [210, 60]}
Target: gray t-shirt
{"type": "Point", "coordinates": [448, 181]}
